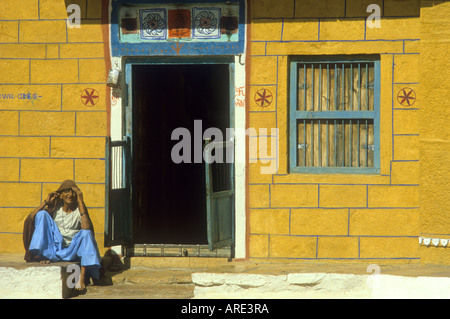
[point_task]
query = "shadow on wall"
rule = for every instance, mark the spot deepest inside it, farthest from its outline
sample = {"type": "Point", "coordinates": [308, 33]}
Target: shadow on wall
{"type": "Point", "coordinates": [333, 8]}
{"type": "Point", "coordinates": [87, 11]}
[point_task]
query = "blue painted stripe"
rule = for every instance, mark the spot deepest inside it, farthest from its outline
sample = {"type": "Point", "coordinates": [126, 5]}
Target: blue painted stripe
{"type": "Point", "coordinates": [324, 258]}
{"type": "Point", "coordinates": [349, 41]}
{"type": "Point", "coordinates": [322, 207]}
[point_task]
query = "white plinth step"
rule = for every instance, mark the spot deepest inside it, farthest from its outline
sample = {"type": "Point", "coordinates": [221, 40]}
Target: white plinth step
{"type": "Point", "coordinates": [35, 281]}
{"type": "Point", "coordinates": [318, 285]}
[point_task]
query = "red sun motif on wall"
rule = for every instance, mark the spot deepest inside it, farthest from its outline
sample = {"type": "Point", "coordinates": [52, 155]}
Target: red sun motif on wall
{"type": "Point", "coordinates": [89, 97]}
{"type": "Point", "coordinates": [263, 97]}
{"type": "Point", "coordinates": [406, 97]}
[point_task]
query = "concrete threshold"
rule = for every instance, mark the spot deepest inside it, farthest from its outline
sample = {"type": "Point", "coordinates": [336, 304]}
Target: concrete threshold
{"type": "Point", "coordinates": [214, 278]}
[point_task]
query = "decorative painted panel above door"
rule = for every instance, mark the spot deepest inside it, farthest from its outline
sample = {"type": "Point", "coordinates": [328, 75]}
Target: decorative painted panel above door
{"type": "Point", "coordinates": [197, 28]}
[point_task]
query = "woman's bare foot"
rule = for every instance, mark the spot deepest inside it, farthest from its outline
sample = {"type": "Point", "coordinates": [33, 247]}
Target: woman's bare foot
{"type": "Point", "coordinates": [81, 286]}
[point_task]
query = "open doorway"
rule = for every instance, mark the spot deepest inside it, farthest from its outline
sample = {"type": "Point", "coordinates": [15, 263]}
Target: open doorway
{"type": "Point", "coordinates": [169, 199]}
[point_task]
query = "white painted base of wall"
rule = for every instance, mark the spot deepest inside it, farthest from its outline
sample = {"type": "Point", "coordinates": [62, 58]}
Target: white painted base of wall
{"type": "Point", "coordinates": [31, 283]}
{"type": "Point", "coordinates": [319, 286]}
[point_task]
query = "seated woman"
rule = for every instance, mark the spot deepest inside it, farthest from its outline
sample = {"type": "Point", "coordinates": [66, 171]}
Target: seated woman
{"type": "Point", "coordinates": [60, 230]}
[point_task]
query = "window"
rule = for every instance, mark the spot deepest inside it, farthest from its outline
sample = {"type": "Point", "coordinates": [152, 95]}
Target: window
{"type": "Point", "coordinates": [334, 115]}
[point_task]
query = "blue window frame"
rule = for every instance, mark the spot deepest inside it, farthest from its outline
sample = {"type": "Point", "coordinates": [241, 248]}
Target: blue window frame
{"type": "Point", "coordinates": [335, 114]}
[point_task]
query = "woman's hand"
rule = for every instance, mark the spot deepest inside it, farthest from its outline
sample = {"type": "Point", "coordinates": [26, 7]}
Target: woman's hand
{"type": "Point", "coordinates": [51, 198]}
{"type": "Point", "coordinates": [85, 220]}
{"type": "Point", "coordinates": [79, 195]}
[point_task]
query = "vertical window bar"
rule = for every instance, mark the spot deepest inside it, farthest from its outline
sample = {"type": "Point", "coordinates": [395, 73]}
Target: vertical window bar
{"type": "Point", "coordinates": [359, 144]}
{"type": "Point", "coordinates": [359, 86]}
{"type": "Point", "coordinates": [328, 144]}
{"type": "Point", "coordinates": [335, 87]}
{"type": "Point", "coordinates": [304, 142]}
{"type": "Point", "coordinates": [335, 143]}
{"type": "Point", "coordinates": [122, 168]}
{"type": "Point", "coordinates": [350, 142]}
{"type": "Point", "coordinates": [343, 88]}
{"type": "Point", "coordinates": [351, 87]}
{"type": "Point", "coordinates": [367, 85]}
{"type": "Point", "coordinates": [119, 167]}
{"type": "Point", "coordinates": [114, 174]}
{"type": "Point", "coordinates": [367, 143]}
{"type": "Point", "coordinates": [320, 145]}
{"type": "Point", "coordinates": [312, 143]}
{"type": "Point", "coordinates": [115, 168]}
{"type": "Point", "coordinates": [343, 143]}
{"type": "Point", "coordinates": [320, 87]}
{"type": "Point", "coordinates": [112, 168]}
{"type": "Point", "coordinates": [328, 87]}
{"type": "Point", "coordinates": [304, 87]}
{"type": "Point", "coordinates": [312, 87]}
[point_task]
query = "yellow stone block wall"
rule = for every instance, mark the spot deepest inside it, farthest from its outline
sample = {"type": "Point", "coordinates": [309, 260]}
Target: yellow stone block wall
{"type": "Point", "coordinates": [337, 216]}
{"type": "Point", "coordinates": [434, 140]}
{"type": "Point", "coordinates": [47, 133]}
{"type": "Point", "coordinates": [52, 135]}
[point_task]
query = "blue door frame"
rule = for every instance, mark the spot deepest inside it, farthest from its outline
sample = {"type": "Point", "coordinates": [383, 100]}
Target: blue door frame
{"type": "Point", "coordinates": [128, 63]}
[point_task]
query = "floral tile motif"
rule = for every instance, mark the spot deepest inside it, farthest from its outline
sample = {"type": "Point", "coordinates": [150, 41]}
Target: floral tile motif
{"type": "Point", "coordinates": [206, 23]}
{"type": "Point", "coordinates": [153, 24]}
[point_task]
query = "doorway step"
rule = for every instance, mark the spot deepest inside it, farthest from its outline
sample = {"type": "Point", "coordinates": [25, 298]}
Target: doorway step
{"type": "Point", "coordinates": [156, 278]}
{"type": "Point", "coordinates": [141, 282]}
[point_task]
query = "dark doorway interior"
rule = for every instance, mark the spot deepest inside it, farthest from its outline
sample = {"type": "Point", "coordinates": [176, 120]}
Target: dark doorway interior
{"type": "Point", "coordinates": [170, 199]}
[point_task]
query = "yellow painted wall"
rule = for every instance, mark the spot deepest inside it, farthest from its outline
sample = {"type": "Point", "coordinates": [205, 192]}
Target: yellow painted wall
{"type": "Point", "coordinates": [53, 136]}
{"type": "Point", "coordinates": [434, 142]}
{"type": "Point", "coordinates": [355, 217]}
